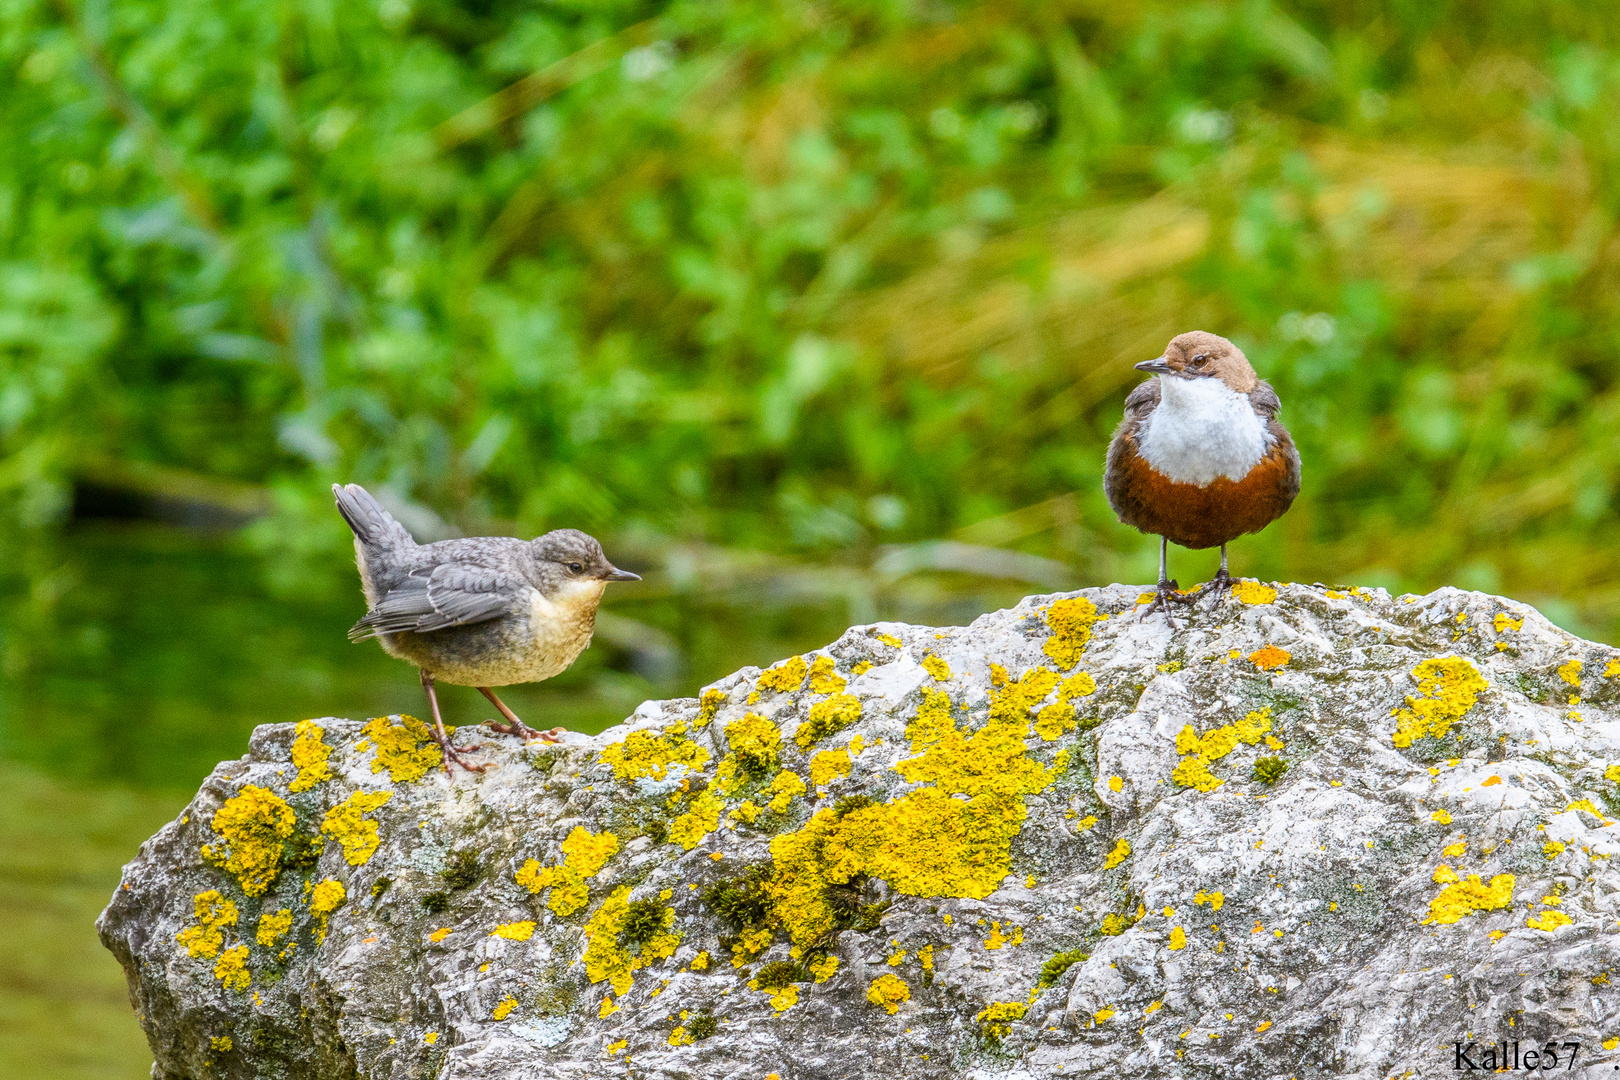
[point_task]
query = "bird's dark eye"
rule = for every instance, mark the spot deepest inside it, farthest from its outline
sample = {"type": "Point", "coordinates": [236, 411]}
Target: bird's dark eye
{"type": "Point", "coordinates": [1199, 360]}
{"type": "Point", "coordinates": [575, 567]}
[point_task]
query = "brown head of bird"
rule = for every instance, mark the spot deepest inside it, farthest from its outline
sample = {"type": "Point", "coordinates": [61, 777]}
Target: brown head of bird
{"type": "Point", "coordinates": [1200, 457]}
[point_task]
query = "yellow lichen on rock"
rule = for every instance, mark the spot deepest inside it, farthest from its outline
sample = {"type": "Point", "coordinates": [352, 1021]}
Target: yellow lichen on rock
{"type": "Point", "coordinates": [504, 1009]}
{"type": "Point", "coordinates": [788, 675]}
{"type": "Point", "coordinates": [936, 667]}
{"type": "Point", "coordinates": [324, 899]}
{"type": "Point", "coordinates": [1080, 684]}
{"type": "Point", "coordinates": [784, 789]}
{"type": "Point", "coordinates": [1466, 897]}
{"type": "Point", "coordinates": [1070, 622]}
{"type": "Point", "coordinates": [309, 753]}
{"type": "Point", "coordinates": [822, 967]}
{"type": "Point", "coordinates": [1178, 939]}
{"type": "Point", "coordinates": [888, 992]}
{"type": "Point", "coordinates": [1121, 852]}
{"type": "Point", "coordinates": [1450, 687]}
{"type": "Point", "coordinates": [784, 998]}
{"type": "Point", "coordinates": [997, 1018]}
{"type": "Point", "coordinates": [254, 824]}
{"type": "Point", "coordinates": [405, 749]}
{"type": "Point", "coordinates": [1014, 935]}
{"type": "Point", "coordinates": [1193, 771]}
{"type": "Point", "coordinates": [824, 677]}
{"type": "Point", "coordinates": [829, 765]}
{"type": "Point", "coordinates": [213, 913]}
{"type": "Point", "coordinates": [273, 926]}
{"type": "Point", "coordinates": [584, 855]}
{"type": "Point", "coordinates": [708, 705]}
{"type": "Point", "coordinates": [231, 968]}
{"type": "Point", "coordinates": [1054, 721]}
{"type": "Point", "coordinates": [1441, 817]}
{"type": "Point", "coordinates": [828, 717]}
{"type": "Point", "coordinates": [648, 753]}
{"type": "Point", "coordinates": [1587, 806]}
{"type": "Point", "coordinates": [1548, 921]}
{"type": "Point", "coordinates": [1253, 592]}
{"type": "Point", "coordinates": [605, 958]}
{"type": "Point", "coordinates": [1503, 622]}
{"type": "Point", "coordinates": [522, 930]}
{"type": "Point", "coordinates": [929, 842]}
{"type": "Point", "coordinates": [344, 823]}
{"type": "Point", "coordinates": [1213, 899]}
{"type": "Point", "coordinates": [755, 753]}
{"type": "Point", "coordinates": [701, 819]}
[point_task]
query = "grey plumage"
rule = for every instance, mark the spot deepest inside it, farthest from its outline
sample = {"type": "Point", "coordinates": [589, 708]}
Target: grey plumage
{"type": "Point", "coordinates": [483, 611]}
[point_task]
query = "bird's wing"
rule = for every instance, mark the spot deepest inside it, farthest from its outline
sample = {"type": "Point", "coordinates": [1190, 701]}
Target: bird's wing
{"type": "Point", "coordinates": [1144, 399]}
{"type": "Point", "coordinates": [1265, 400]}
{"type": "Point", "coordinates": [448, 595]}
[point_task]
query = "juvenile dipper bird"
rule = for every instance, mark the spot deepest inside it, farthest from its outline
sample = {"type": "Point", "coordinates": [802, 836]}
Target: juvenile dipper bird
{"type": "Point", "coordinates": [1200, 458]}
{"type": "Point", "coordinates": [485, 611]}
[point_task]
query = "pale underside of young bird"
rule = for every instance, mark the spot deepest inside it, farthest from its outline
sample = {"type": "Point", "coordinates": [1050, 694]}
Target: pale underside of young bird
{"type": "Point", "coordinates": [483, 611]}
{"type": "Point", "coordinates": [1200, 457]}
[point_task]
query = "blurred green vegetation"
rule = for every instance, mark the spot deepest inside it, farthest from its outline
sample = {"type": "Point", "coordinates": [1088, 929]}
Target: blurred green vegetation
{"type": "Point", "coordinates": [818, 277]}
{"type": "Point", "coordinates": [814, 312]}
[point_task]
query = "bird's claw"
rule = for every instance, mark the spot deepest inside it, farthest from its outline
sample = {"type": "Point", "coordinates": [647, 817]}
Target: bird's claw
{"type": "Point", "coordinates": [1163, 597]}
{"type": "Point", "coordinates": [452, 754]}
{"type": "Point", "coordinates": [1220, 583]}
{"type": "Point", "coordinates": [525, 732]}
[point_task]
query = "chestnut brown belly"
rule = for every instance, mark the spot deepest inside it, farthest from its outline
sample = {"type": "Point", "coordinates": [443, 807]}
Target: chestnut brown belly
{"type": "Point", "coordinates": [1201, 517]}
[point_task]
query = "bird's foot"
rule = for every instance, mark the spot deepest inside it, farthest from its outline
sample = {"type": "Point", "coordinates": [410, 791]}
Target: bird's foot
{"type": "Point", "coordinates": [1168, 593]}
{"type": "Point", "coordinates": [525, 732]}
{"type": "Point", "coordinates": [452, 754]}
{"type": "Point", "coordinates": [516, 727]}
{"type": "Point", "coordinates": [1220, 583]}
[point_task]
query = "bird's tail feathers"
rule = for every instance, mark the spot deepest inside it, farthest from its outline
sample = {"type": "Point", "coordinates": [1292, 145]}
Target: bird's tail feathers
{"type": "Point", "coordinates": [373, 526]}
{"type": "Point", "coordinates": [363, 629]}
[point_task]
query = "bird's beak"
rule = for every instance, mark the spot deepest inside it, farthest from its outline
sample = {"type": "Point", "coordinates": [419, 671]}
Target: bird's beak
{"type": "Point", "coordinates": [615, 574]}
{"type": "Point", "coordinates": [1158, 366]}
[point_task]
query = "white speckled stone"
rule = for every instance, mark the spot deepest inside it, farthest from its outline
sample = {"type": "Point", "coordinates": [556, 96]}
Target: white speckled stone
{"type": "Point", "coordinates": [1326, 877]}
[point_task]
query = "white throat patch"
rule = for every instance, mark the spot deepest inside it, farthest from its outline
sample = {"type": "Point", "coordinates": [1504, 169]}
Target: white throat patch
{"type": "Point", "coordinates": [1202, 429]}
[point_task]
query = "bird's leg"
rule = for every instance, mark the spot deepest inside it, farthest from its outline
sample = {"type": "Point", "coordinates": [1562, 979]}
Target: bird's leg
{"type": "Point", "coordinates": [1166, 594]}
{"type": "Point", "coordinates": [1218, 584]}
{"type": "Point", "coordinates": [441, 736]}
{"type": "Point", "coordinates": [514, 726]}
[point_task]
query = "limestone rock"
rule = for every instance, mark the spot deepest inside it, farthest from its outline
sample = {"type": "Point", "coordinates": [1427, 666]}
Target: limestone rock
{"type": "Point", "coordinates": [1305, 833]}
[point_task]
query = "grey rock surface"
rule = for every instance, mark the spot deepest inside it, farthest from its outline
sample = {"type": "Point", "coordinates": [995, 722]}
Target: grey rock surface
{"type": "Point", "coordinates": [1045, 846]}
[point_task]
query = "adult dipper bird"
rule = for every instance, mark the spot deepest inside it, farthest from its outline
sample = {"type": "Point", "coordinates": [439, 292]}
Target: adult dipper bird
{"type": "Point", "coordinates": [485, 611]}
{"type": "Point", "coordinates": [1200, 458]}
